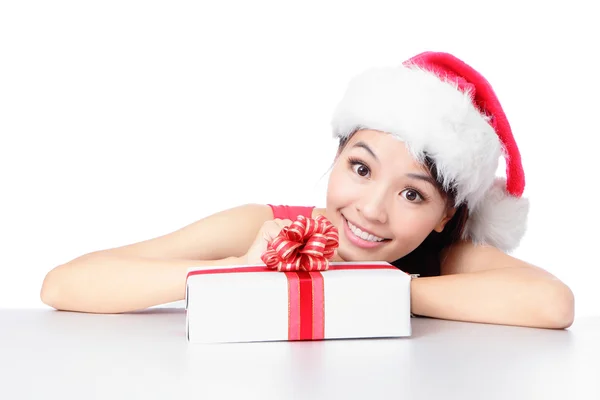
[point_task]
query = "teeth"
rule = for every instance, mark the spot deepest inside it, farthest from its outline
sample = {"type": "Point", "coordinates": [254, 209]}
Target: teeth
{"type": "Point", "coordinates": [363, 235]}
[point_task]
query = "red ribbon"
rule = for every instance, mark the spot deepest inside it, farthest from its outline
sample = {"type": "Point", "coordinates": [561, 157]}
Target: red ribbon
{"type": "Point", "coordinates": [306, 245]}
{"type": "Point", "coordinates": [306, 305]}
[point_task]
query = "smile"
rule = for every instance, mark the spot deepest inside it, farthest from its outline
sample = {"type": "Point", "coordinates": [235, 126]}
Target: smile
{"type": "Point", "coordinates": [362, 238]}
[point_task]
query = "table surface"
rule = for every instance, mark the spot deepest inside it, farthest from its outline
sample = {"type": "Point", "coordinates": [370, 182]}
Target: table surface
{"type": "Point", "coordinates": [48, 354]}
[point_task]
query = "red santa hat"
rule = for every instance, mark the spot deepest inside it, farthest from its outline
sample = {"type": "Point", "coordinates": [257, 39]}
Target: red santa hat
{"type": "Point", "coordinates": [442, 108]}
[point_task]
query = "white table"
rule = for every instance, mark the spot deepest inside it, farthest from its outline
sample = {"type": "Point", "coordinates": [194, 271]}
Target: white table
{"type": "Point", "coordinates": [45, 354]}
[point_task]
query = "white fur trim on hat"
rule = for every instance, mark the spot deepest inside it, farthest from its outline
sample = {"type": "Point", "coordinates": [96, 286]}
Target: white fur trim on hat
{"type": "Point", "coordinates": [499, 220]}
{"type": "Point", "coordinates": [431, 117]}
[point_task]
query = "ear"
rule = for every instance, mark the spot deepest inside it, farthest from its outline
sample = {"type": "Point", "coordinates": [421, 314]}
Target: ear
{"type": "Point", "coordinates": [447, 217]}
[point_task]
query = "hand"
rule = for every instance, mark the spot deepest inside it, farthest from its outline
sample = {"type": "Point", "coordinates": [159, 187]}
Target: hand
{"type": "Point", "coordinates": [266, 234]}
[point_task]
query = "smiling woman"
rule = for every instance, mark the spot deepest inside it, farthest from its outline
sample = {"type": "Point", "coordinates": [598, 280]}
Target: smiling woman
{"type": "Point", "coordinates": [419, 190]}
{"type": "Point", "coordinates": [387, 202]}
{"type": "Point", "coordinates": [413, 183]}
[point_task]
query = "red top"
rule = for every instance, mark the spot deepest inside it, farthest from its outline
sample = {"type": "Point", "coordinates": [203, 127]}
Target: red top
{"type": "Point", "coordinates": [291, 212]}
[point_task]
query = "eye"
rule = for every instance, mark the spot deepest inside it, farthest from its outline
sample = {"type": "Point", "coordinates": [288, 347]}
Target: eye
{"type": "Point", "coordinates": [360, 168]}
{"type": "Point", "coordinates": [412, 195]}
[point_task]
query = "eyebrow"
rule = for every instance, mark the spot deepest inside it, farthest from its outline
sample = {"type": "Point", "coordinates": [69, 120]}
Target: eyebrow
{"type": "Point", "coordinates": [425, 178]}
{"type": "Point", "coordinates": [367, 148]}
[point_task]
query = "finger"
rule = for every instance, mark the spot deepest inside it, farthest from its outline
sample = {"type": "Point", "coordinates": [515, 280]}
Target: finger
{"type": "Point", "coordinates": [284, 222]}
{"type": "Point", "coordinates": [271, 230]}
{"type": "Point", "coordinates": [280, 225]}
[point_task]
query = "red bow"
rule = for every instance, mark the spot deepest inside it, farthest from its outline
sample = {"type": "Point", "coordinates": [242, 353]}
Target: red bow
{"type": "Point", "coordinates": [307, 244]}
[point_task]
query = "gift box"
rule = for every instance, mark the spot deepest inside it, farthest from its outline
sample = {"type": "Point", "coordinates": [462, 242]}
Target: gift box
{"type": "Point", "coordinates": [257, 303]}
{"type": "Point", "coordinates": [298, 294]}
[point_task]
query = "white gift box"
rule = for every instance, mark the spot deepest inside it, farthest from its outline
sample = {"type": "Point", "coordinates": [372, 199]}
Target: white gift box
{"type": "Point", "coordinates": [255, 303]}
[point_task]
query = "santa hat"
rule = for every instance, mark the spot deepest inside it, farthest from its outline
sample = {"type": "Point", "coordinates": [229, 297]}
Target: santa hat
{"type": "Point", "coordinates": [442, 108]}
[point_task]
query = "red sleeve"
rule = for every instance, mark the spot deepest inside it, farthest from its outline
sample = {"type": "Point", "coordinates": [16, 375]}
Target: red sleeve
{"type": "Point", "coordinates": [291, 212]}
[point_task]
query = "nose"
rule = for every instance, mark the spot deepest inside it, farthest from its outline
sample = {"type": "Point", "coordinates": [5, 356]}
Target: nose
{"type": "Point", "coordinates": [373, 206]}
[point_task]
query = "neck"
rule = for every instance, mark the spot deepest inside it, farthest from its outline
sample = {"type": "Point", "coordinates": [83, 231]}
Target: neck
{"type": "Point", "coordinates": [319, 211]}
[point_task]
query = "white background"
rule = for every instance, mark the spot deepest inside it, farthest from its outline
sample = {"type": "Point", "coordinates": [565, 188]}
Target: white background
{"type": "Point", "coordinates": [119, 120]}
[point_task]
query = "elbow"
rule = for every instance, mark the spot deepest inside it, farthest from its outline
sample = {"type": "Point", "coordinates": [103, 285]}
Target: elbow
{"type": "Point", "coordinates": [56, 290]}
{"type": "Point", "coordinates": [50, 291]}
{"type": "Point", "coordinates": [559, 306]}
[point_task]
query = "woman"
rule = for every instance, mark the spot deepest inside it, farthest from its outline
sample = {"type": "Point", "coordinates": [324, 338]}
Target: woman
{"type": "Point", "coordinates": [413, 183]}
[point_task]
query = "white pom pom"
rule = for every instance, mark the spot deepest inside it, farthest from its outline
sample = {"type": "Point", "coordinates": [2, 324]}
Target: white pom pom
{"type": "Point", "coordinates": [499, 220]}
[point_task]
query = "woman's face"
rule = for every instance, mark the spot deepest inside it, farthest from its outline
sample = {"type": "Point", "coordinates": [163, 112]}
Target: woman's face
{"type": "Point", "coordinates": [382, 201]}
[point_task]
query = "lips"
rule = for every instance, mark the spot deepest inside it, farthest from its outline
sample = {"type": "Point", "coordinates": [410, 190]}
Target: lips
{"type": "Point", "coordinates": [362, 238]}
{"type": "Point", "coordinates": [363, 233]}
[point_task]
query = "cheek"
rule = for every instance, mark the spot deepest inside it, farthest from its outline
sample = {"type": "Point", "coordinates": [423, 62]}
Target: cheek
{"type": "Point", "coordinates": [413, 226]}
{"type": "Point", "coordinates": [340, 190]}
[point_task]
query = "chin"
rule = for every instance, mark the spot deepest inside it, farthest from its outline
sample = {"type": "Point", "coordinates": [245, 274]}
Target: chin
{"type": "Point", "coordinates": [353, 257]}
{"type": "Point", "coordinates": [347, 252]}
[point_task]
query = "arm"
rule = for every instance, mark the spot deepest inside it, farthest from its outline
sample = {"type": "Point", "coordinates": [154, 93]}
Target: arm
{"type": "Point", "coordinates": [108, 283]}
{"type": "Point", "coordinates": [483, 284]}
{"type": "Point", "coordinates": [224, 234]}
{"type": "Point", "coordinates": [152, 272]}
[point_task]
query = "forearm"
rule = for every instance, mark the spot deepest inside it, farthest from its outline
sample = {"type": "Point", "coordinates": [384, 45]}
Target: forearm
{"type": "Point", "coordinates": [104, 283]}
{"type": "Point", "coordinates": [507, 296]}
